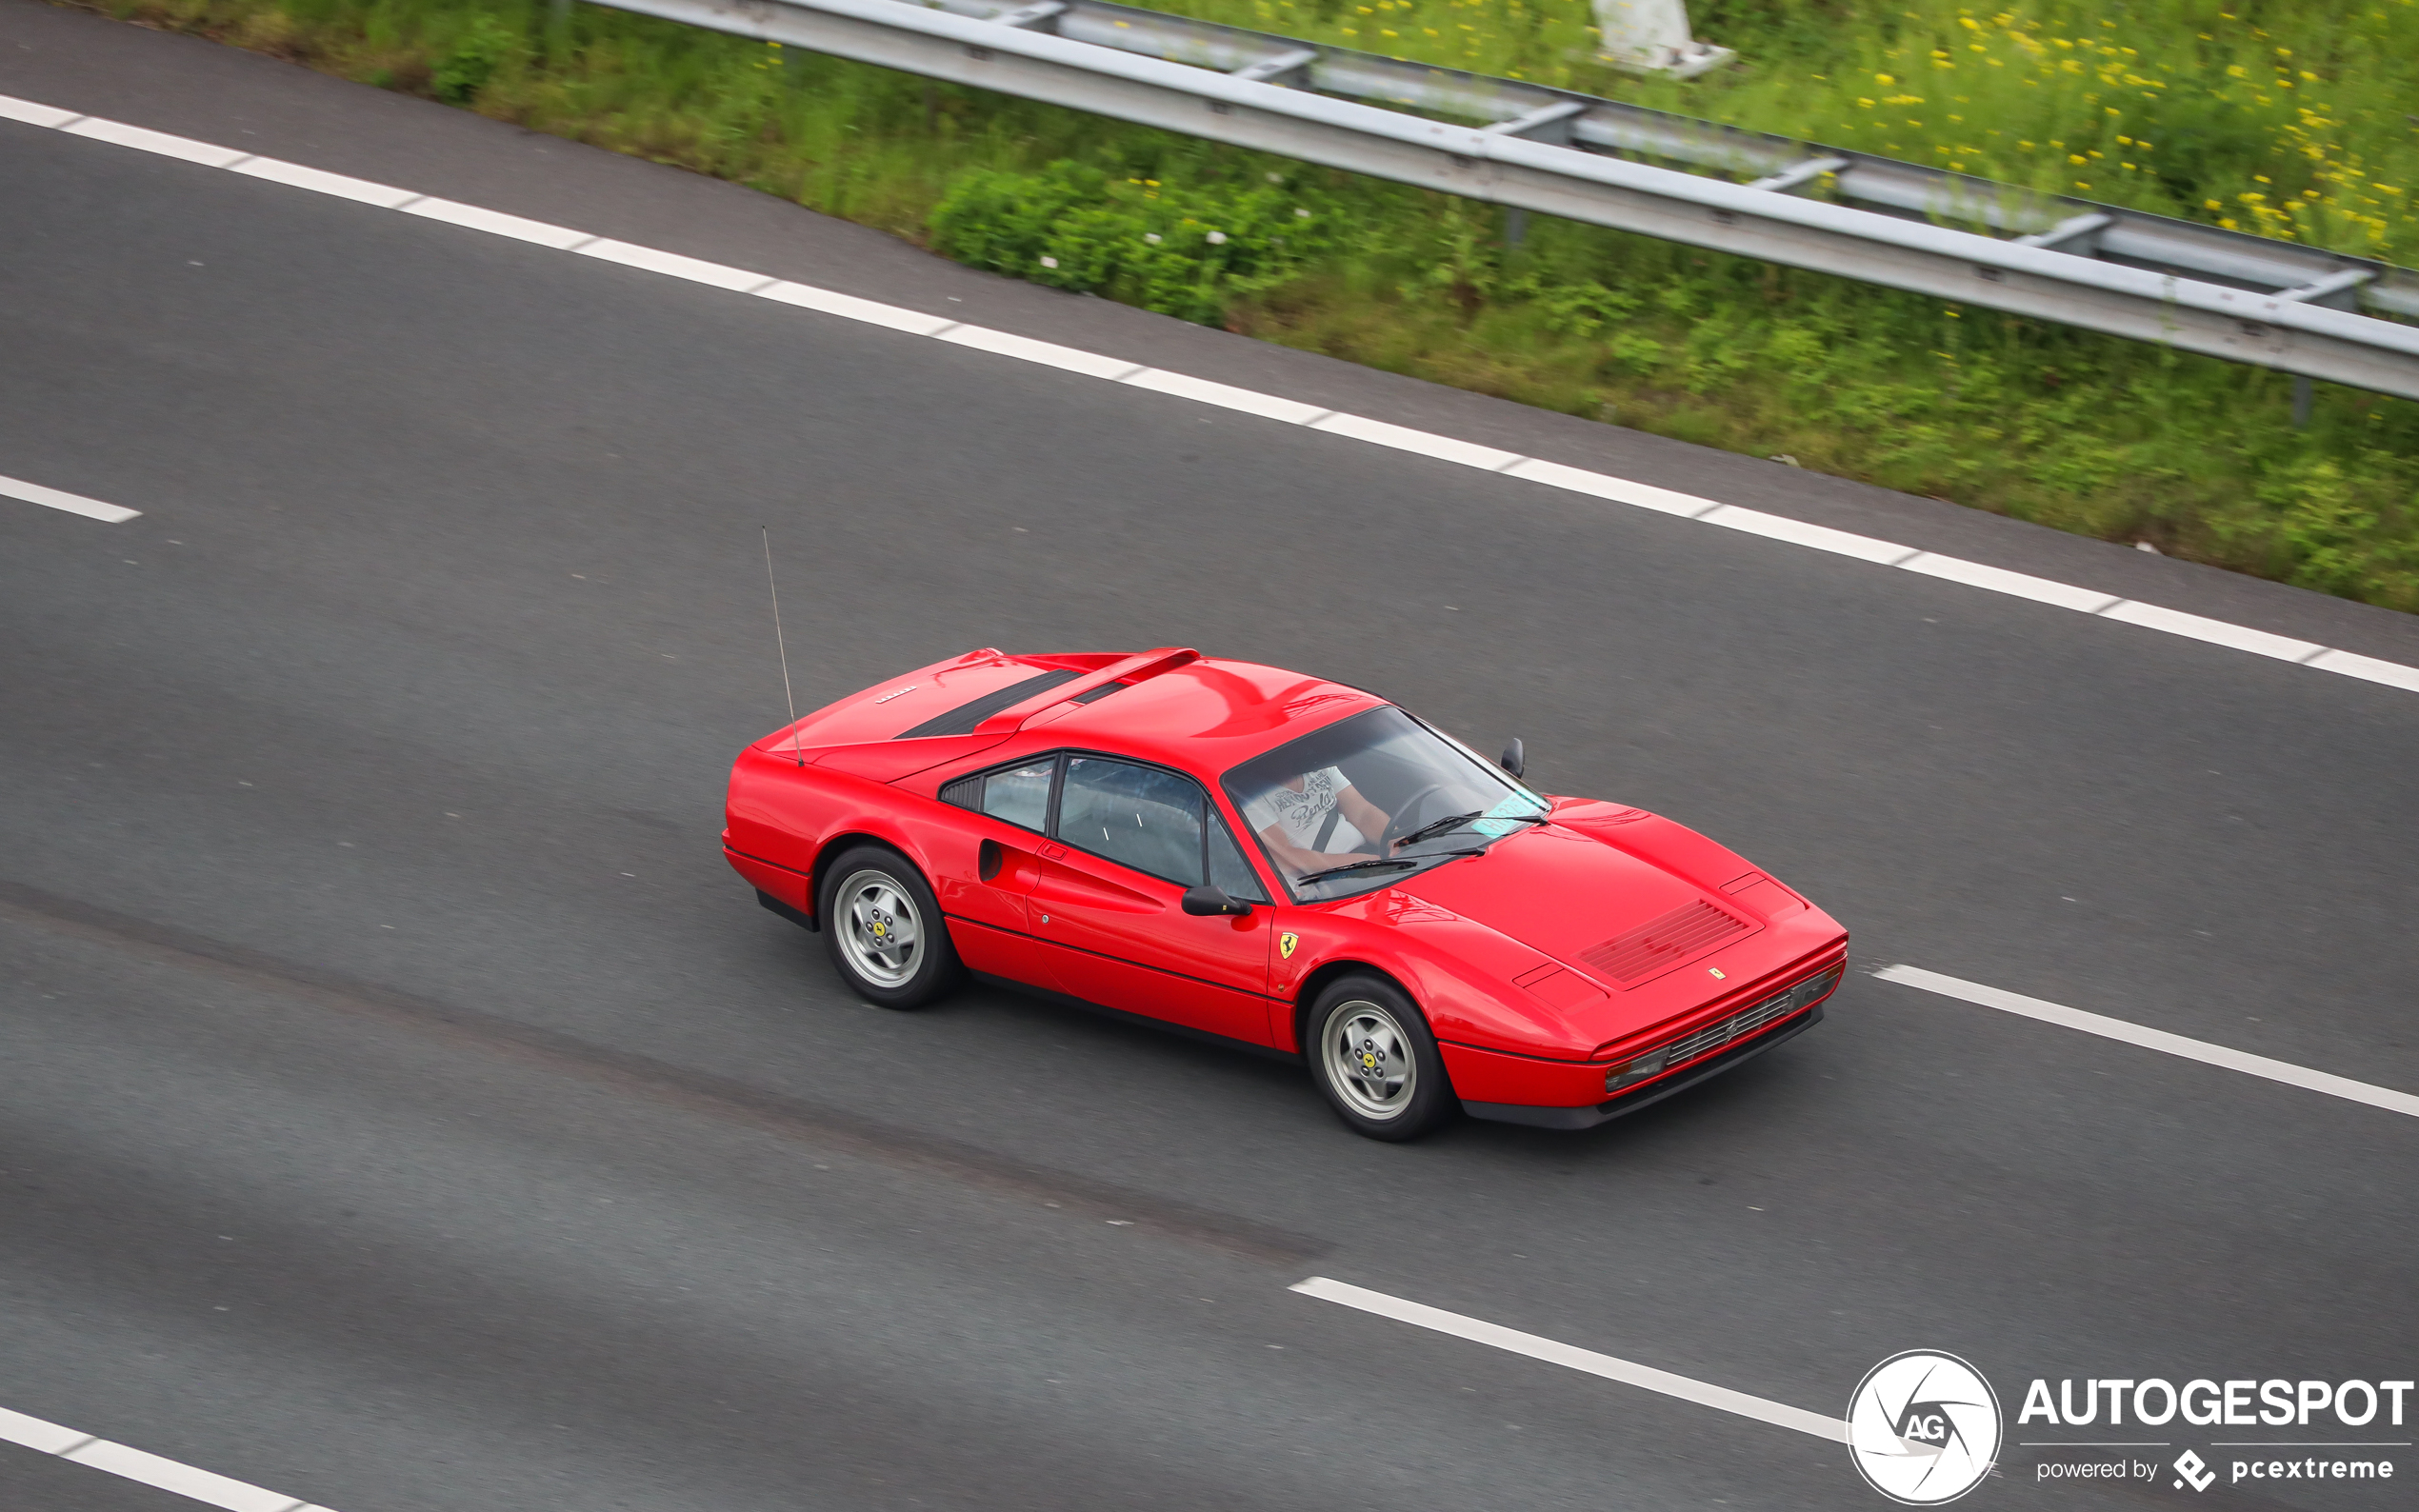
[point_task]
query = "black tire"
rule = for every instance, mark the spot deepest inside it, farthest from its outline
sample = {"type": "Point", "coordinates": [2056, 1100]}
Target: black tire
{"type": "Point", "coordinates": [1365, 1022]}
{"type": "Point", "coordinates": [871, 897]}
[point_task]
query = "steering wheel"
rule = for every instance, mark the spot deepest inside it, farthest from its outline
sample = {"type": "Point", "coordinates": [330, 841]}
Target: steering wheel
{"type": "Point", "coordinates": [1408, 817]}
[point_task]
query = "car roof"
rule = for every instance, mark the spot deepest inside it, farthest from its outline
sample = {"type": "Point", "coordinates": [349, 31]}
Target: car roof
{"type": "Point", "coordinates": [1206, 716]}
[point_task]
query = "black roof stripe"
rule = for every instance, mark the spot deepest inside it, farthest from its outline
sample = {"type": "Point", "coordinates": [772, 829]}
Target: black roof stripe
{"type": "Point", "coordinates": [962, 720]}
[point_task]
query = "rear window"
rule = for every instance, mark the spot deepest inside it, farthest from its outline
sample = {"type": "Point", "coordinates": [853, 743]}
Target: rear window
{"type": "Point", "coordinates": [1020, 795]}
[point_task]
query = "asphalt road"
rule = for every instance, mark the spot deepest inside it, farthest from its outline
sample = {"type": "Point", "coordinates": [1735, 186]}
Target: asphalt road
{"type": "Point", "coordinates": [404, 1108]}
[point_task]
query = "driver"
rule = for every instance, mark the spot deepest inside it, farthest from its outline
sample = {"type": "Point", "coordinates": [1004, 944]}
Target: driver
{"type": "Point", "coordinates": [1308, 821]}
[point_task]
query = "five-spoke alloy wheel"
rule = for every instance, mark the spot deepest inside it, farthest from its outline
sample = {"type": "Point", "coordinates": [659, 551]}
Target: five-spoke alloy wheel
{"type": "Point", "coordinates": [884, 928]}
{"type": "Point", "coordinates": [1371, 1055]}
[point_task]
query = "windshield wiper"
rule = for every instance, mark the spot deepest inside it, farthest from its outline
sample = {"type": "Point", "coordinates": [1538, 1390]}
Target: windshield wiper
{"type": "Point", "coordinates": [1439, 826]}
{"type": "Point", "coordinates": [1382, 861]}
{"type": "Point", "coordinates": [1457, 820]}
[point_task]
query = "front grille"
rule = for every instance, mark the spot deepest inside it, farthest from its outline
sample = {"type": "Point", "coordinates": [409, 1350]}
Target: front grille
{"type": "Point", "coordinates": [1747, 1021]}
{"type": "Point", "coordinates": [1662, 943]}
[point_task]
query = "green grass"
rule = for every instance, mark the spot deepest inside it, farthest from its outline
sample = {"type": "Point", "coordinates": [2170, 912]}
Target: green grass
{"type": "Point", "coordinates": [2107, 438]}
{"type": "Point", "coordinates": [2290, 118]}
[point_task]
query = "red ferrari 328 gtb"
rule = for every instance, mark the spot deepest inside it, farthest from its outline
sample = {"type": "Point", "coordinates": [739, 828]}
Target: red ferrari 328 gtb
{"type": "Point", "coordinates": [1278, 860]}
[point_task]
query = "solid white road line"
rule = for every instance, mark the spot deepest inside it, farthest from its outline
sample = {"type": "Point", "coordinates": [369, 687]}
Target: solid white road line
{"type": "Point", "coordinates": [120, 134]}
{"type": "Point", "coordinates": [2019, 584]}
{"type": "Point", "coordinates": [1047, 353]}
{"type": "Point", "coordinates": [1797, 532]}
{"type": "Point", "coordinates": [1358, 427]}
{"type": "Point", "coordinates": [1421, 442]}
{"type": "Point", "coordinates": [71, 503]}
{"type": "Point", "coordinates": [562, 238]}
{"type": "Point", "coordinates": [134, 1465]}
{"type": "Point", "coordinates": [1704, 1395]}
{"type": "Point", "coordinates": [2285, 1071]}
{"type": "Point", "coordinates": [321, 181]}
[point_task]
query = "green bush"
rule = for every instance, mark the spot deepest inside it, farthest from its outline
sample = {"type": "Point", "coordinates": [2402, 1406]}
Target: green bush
{"type": "Point", "coordinates": [1188, 251]}
{"type": "Point", "coordinates": [485, 47]}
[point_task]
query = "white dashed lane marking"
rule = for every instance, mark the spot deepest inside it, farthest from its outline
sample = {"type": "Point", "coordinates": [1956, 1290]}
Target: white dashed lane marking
{"type": "Point", "coordinates": [2150, 1039]}
{"type": "Point", "coordinates": [136, 1464]}
{"type": "Point", "coordinates": [1271, 407]}
{"type": "Point", "coordinates": [1648, 1378]}
{"type": "Point", "coordinates": [71, 503]}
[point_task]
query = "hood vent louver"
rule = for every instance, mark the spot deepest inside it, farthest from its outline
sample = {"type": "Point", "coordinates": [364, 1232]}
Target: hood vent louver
{"type": "Point", "coordinates": [1663, 942]}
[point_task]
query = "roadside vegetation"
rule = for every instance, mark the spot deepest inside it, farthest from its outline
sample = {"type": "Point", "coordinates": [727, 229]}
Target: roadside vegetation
{"type": "Point", "coordinates": [2293, 118]}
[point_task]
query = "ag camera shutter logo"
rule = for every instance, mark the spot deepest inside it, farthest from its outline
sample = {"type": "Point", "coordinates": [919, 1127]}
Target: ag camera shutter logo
{"type": "Point", "coordinates": [1923, 1427]}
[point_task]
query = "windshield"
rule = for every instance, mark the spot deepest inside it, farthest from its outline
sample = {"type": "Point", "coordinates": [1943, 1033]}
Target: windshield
{"type": "Point", "coordinates": [1370, 800]}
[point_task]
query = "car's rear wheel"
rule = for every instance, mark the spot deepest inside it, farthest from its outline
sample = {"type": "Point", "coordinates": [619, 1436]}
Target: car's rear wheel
{"type": "Point", "coordinates": [1372, 1057]}
{"type": "Point", "coordinates": [885, 930]}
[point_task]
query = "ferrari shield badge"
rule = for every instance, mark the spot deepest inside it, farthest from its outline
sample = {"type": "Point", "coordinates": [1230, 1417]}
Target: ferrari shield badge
{"type": "Point", "coordinates": [1286, 944]}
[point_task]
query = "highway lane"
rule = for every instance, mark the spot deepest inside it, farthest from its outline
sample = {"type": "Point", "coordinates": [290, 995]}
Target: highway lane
{"type": "Point", "coordinates": [418, 674]}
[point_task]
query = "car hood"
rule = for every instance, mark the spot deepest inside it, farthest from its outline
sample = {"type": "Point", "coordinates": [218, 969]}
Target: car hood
{"type": "Point", "coordinates": [1620, 920]}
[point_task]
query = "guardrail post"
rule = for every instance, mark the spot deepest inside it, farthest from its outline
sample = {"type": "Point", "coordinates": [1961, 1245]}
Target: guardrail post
{"type": "Point", "coordinates": [2337, 290]}
{"type": "Point", "coordinates": [1548, 123]}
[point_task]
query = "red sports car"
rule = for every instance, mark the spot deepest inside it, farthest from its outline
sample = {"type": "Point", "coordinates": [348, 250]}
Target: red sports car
{"type": "Point", "coordinates": [1281, 860]}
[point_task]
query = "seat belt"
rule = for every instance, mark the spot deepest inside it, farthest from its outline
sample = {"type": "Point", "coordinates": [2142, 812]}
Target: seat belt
{"type": "Point", "coordinates": [1327, 829]}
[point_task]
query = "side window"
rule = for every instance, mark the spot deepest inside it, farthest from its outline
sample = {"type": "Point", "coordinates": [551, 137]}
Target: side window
{"type": "Point", "coordinates": [1228, 872]}
{"type": "Point", "coordinates": [1138, 816]}
{"type": "Point", "coordinates": [1020, 796]}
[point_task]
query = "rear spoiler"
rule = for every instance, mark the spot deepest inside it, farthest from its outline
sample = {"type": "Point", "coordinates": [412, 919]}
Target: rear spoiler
{"type": "Point", "coordinates": [1131, 669]}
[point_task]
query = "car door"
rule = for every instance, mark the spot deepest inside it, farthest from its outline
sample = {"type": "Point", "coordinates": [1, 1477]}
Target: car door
{"type": "Point", "coordinates": [984, 868]}
{"type": "Point", "coordinates": [1129, 839]}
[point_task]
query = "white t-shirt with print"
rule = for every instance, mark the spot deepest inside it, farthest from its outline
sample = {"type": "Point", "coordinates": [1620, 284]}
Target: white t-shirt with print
{"type": "Point", "coordinates": [1299, 817]}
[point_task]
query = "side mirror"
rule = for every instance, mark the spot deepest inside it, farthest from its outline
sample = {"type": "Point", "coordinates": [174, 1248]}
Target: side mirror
{"type": "Point", "coordinates": [1515, 760]}
{"type": "Point", "coordinates": [1208, 903]}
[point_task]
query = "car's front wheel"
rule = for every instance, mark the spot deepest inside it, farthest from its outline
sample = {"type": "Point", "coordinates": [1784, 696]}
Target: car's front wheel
{"type": "Point", "coordinates": [884, 928]}
{"type": "Point", "coordinates": [1371, 1055]}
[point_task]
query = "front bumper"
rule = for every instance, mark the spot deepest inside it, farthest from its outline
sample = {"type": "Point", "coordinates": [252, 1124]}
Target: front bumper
{"type": "Point", "coordinates": [1577, 1117]}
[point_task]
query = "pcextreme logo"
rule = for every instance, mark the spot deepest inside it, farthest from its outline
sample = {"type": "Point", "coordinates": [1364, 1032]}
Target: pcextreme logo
{"type": "Point", "coordinates": [1923, 1427]}
{"type": "Point", "coordinates": [2274, 1430]}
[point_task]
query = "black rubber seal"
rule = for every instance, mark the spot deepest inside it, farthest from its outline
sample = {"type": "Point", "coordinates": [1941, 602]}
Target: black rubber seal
{"type": "Point", "coordinates": [803, 921]}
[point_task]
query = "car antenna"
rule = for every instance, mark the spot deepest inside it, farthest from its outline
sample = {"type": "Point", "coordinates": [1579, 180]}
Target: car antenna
{"type": "Point", "coordinates": [782, 648]}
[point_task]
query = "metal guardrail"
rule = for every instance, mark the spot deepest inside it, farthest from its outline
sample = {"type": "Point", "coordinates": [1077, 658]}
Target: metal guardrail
{"type": "Point", "coordinates": [2199, 289]}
